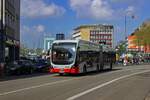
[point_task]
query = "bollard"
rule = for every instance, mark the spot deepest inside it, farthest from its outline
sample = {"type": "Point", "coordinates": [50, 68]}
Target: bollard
{"type": "Point", "coordinates": [1, 69]}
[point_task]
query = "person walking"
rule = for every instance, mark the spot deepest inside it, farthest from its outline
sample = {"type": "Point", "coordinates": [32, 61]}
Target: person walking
{"type": "Point", "coordinates": [125, 61]}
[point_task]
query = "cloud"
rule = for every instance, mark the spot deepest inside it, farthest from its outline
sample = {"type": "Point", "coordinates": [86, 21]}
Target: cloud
{"type": "Point", "coordinates": [32, 36]}
{"type": "Point", "coordinates": [130, 10]}
{"type": "Point", "coordinates": [39, 28]}
{"type": "Point", "coordinates": [126, 1]}
{"type": "Point", "coordinates": [39, 8]}
{"type": "Point", "coordinates": [25, 29]}
{"type": "Point", "coordinates": [36, 29]}
{"type": "Point", "coordinates": [96, 9]}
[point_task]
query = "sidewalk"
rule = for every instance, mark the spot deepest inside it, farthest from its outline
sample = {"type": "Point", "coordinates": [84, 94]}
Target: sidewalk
{"type": "Point", "coordinates": [14, 77]}
{"type": "Point", "coordinates": [147, 97]}
{"type": "Point", "coordinates": [130, 64]}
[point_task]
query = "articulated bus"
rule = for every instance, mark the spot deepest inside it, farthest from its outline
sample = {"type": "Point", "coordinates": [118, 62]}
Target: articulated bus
{"type": "Point", "coordinates": [79, 56]}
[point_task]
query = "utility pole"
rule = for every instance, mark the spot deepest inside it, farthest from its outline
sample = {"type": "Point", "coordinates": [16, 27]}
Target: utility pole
{"type": "Point", "coordinates": [125, 26]}
{"type": "Point", "coordinates": [2, 42]}
{"type": "Point", "coordinates": [125, 32]}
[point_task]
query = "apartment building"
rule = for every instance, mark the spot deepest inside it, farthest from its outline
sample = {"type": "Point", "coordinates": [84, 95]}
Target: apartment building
{"type": "Point", "coordinates": [95, 33]}
{"type": "Point", "coordinates": [9, 30]}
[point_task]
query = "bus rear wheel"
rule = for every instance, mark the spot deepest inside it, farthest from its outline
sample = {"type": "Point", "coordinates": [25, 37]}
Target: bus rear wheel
{"type": "Point", "coordinates": [101, 67]}
{"type": "Point", "coordinates": [97, 68]}
{"type": "Point", "coordinates": [110, 66]}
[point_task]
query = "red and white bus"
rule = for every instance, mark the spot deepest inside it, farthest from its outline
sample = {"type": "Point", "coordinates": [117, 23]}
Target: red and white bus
{"type": "Point", "coordinates": [79, 56]}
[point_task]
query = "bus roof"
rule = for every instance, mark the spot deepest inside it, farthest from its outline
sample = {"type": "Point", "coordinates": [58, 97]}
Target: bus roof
{"type": "Point", "coordinates": [90, 44]}
{"type": "Point", "coordinates": [73, 41]}
{"type": "Point", "coordinates": [63, 41]}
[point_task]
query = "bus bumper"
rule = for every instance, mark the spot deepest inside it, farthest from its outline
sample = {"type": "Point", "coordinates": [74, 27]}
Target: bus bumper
{"type": "Point", "coordinates": [65, 70]}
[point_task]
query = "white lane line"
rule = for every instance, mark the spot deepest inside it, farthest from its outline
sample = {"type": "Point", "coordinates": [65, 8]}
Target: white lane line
{"type": "Point", "coordinates": [46, 84]}
{"type": "Point", "coordinates": [33, 87]}
{"type": "Point", "coordinates": [104, 84]}
{"type": "Point", "coordinates": [123, 70]}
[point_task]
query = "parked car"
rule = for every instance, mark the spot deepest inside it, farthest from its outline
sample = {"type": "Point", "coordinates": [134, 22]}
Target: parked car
{"type": "Point", "coordinates": [20, 67]}
{"type": "Point", "coordinates": [42, 65]}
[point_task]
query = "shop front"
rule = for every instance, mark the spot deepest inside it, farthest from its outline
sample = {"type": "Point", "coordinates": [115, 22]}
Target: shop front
{"type": "Point", "coordinates": [11, 50]}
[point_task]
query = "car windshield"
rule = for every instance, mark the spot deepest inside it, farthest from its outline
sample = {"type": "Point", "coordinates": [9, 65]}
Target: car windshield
{"type": "Point", "coordinates": [63, 53]}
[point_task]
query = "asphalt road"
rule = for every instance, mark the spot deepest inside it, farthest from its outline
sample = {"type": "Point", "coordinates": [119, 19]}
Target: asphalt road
{"type": "Point", "coordinates": [123, 83]}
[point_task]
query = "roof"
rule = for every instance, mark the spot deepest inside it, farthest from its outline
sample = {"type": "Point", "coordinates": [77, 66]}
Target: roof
{"type": "Point", "coordinates": [93, 25]}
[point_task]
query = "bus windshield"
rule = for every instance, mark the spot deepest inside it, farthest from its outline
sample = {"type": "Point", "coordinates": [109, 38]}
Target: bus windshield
{"type": "Point", "coordinates": [63, 53]}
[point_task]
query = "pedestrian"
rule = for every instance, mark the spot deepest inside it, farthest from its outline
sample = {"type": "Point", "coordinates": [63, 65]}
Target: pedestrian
{"type": "Point", "coordinates": [125, 61]}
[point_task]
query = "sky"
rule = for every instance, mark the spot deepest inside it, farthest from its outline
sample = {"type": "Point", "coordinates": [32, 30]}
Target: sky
{"type": "Point", "coordinates": [41, 18]}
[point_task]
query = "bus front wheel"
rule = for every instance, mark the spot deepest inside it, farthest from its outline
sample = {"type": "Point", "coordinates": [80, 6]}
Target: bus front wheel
{"type": "Point", "coordinates": [84, 70]}
{"type": "Point", "coordinates": [101, 67]}
{"type": "Point", "coordinates": [97, 69]}
{"type": "Point", "coordinates": [110, 66]}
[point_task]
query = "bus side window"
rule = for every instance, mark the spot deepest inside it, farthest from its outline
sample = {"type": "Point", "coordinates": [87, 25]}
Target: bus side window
{"type": "Point", "coordinates": [78, 57]}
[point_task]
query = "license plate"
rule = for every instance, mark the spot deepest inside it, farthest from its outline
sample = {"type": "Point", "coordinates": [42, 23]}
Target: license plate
{"type": "Point", "coordinates": [61, 70]}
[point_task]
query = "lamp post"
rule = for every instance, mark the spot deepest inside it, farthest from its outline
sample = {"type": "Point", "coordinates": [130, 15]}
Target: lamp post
{"type": "Point", "coordinates": [125, 31]}
{"type": "Point", "coordinates": [2, 42]}
{"type": "Point", "coordinates": [125, 26]}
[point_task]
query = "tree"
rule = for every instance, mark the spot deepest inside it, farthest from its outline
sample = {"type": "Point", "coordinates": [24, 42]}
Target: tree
{"type": "Point", "coordinates": [143, 35]}
{"type": "Point", "coordinates": [38, 51]}
{"type": "Point", "coordinates": [24, 50]}
{"type": "Point", "coordinates": [122, 48]}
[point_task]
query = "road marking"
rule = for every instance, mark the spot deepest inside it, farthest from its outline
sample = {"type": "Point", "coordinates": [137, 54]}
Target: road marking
{"type": "Point", "coordinates": [33, 87]}
{"type": "Point", "coordinates": [123, 70]}
{"type": "Point", "coordinates": [52, 83]}
{"type": "Point", "coordinates": [102, 85]}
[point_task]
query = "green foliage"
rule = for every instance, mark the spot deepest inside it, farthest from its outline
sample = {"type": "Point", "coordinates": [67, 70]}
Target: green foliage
{"type": "Point", "coordinates": [122, 48]}
{"type": "Point", "coordinates": [38, 51]}
{"type": "Point", "coordinates": [24, 51]}
{"type": "Point", "coordinates": [143, 35]}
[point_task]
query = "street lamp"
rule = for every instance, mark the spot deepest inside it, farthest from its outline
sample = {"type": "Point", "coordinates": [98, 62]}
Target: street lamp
{"type": "Point", "coordinates": [125, 26]}
{"type": "Point", "coordinates": [130, 14]}
{"type": "Point", "coordinates": [2, 44]}
{"type": "Point", "coordinates": [125, 21]}
{"type": "Point", "coordinates": [2, 35]}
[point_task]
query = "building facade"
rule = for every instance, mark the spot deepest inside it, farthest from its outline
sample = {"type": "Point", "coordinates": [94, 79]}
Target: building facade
{"type": "Point", "coordinates": [48, 43]}
{"type": "Point", "coordinates": [140, 40]}
{"type": "Point", "coordinates": [60, 36]}
{"type": "Point", "coordinates": [10, 30]}
{"type": "Point", "coordinates": [134, 45]}
{"type": "Point", "coordinates": [95, 33]}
